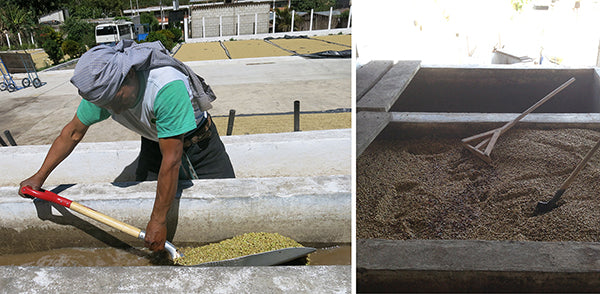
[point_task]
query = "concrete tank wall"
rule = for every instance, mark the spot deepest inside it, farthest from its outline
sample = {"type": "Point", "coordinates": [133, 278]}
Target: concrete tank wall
{"type": "Point", "coordinates": [498, 89]}
{"type": "Point", "coordinates": [306, 209]}
{"type": "Point", "coordinates": [309, 153]}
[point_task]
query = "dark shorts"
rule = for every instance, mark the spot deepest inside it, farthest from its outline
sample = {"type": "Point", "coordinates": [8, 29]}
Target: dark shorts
{"type": "Point", "coordinates": [208, 157]}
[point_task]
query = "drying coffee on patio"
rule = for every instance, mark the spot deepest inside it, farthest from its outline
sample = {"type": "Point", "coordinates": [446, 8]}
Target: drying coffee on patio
{"type": "Point", "coordinates": [430, 188]}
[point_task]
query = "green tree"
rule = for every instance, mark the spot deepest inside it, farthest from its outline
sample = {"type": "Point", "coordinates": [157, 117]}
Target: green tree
{"type": "Point", "coordinates": [37, 8]}
{"type": "Point", "coordinates": [307, 5]}
{"type": "Point", "coordinates": [80, 31]}
{"type": "Point", "coordinates": [148, 18]}
{"type": "Point", "coordinates": [84, 9]}
{"type": "Point", "coordinates": [16, 19]}
{"type": "Point", "coordinates": [284, 20]}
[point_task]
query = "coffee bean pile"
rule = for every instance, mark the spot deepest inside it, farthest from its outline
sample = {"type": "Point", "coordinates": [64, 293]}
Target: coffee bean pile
{"type": "Point", "coordinates": [242, 245]}
{"type": "Point", "coordinates": [433, 188]}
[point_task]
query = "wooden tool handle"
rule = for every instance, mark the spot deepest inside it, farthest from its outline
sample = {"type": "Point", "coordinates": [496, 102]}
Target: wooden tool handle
{"type": "Point", "coordinates": [536, 105]}
{"type": "Point", "coordinates": [581, 164]}
{"type": "Point", "coordinates": [105, 219]}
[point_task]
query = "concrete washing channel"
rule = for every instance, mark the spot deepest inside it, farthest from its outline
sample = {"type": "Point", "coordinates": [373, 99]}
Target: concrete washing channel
{"type": "Point", "coordinates": [296, 184]}
{"type": "Point", "coordinates": [407, 100]}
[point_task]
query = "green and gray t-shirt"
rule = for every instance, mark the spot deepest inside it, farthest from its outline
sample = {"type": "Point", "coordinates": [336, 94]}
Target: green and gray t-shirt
{"type": "Point", "coordinates": [163, 108]}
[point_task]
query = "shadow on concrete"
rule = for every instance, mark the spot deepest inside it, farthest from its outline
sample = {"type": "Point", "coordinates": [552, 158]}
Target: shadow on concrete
{"type": "Point", "coordinates": [128, 173]}
{"type": "Point", "coordinates": [66, 218]}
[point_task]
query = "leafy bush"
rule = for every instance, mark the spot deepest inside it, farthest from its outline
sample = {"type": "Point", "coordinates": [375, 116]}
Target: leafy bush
{"type": "Point", "coordinates": [45, 33]}
{"type": "Point", "coordinates": [53, 50]}
{"type": "Point", "coordinates": [164, 36]}
{"type": "Point", "coordinates": [177, 34]}
{"type": "Point", "coordinates": [72, 48]}
{"type": "Point", "coordinates": [51, 41]}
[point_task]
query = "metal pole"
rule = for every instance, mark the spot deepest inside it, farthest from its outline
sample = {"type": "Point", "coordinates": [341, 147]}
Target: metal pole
{"type": "Point", "coordinates": [296, 116]}
{"type": "Point", "coordinates": [10, 138]}
{"type": "Point", "coordinates": [20, 42]}
{"type": "Point", "coordinates": [274, 18]}
{"type": "Point", "coordinates": [220, 26]}
{"type": "Point", "coordinates": [131, 6]}
{"type": "Point", "coordinates": [203, 28]}
{"type": "Point", "coordinates": [162, 16]}
{"type": "Point", "coordinates": [238, 25]}
{"type": "Point", "coordinates": [230, 122]}
{"type": "Point", "coordinates": [8, 40]}
{"type": "Point", "coordinates": [256, 23]}
{"type": "Point", "coordinates": [349, 17]}
{"type": "Point", "coordinates": [186, 29]}
{"type": "Point", "coordinates": [330, 13]}
{"type": "Point", "coordinates": [311, 19]}
{"type": "Point", "coordinates": [293, 14]}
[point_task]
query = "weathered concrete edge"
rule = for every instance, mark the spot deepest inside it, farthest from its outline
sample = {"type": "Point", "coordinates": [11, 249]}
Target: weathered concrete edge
{"type": "Point", "coordinates": [265, 155]}
{"type": "Point", "coordinates": [532, 118]}
{"type": "Point", "coordinates": [168, 279]}
{"type": "Point", "coordinates": [309, 210]}
{"type": "Point", "coordinates": [368, 126]}
{"type": "Point", "coordinates": [460, 125]}
{"type": "Point", "coordinates": [476, 265]}
{"type": "Point", "coordinates": [384, 94]}
{"type": "Point", "coordinates": [369, 74]}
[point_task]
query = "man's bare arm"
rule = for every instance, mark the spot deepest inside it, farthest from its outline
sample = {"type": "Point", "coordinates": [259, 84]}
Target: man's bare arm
{"type": "Point", "coordinates": [62, 146]}
{"type": "Point", "coordinates": [168, 176]}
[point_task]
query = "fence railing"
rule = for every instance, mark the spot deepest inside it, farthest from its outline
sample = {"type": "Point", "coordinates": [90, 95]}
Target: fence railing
{"type": "Point", "coordinates": [250, 26]}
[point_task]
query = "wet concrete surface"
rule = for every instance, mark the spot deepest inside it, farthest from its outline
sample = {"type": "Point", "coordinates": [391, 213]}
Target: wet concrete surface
{"type": "Point", "coordinates": [162, 279]}
{"type": "Point", "coordinates": [332, 255]}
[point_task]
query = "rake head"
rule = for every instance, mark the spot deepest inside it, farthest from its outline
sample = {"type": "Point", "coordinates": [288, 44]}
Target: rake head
{"type": "Point", "coordinates": [482, 144]}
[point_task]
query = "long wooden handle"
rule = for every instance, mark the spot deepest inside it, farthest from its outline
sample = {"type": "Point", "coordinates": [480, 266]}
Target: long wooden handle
{"type": "Point", "coordinates": [536, 105]}
{"type": "Point", "coordinates": [105, 219]}
{"type": "Point", "coordinates": [581, 164]}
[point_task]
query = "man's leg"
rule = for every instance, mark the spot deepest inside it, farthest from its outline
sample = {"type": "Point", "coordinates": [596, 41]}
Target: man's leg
{"type": "Point", "coordinates": [209, 158]}
{"type": "Point", "coordinates": [149, 159]}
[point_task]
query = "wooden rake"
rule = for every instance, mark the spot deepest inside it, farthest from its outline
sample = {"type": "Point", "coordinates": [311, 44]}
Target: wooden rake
{"type": "Point", "coordinates": [488, 139]}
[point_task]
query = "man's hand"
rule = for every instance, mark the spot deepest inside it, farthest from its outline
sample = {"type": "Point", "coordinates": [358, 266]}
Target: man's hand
{"type": "Point", "coordinates": [156, 235]}
{"type": "Point", "coordinates": [35, 182]}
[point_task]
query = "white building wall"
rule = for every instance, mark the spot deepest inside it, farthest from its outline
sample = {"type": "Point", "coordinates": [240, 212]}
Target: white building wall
{"type": "Point", "coordinates": [229, 18]}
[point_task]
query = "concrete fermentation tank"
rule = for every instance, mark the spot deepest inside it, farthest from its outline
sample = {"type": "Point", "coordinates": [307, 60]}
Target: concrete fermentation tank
{"type": "Point", "coordinates": [295, 184]}
{"type": "Point", "coordinates": [431, 216]}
